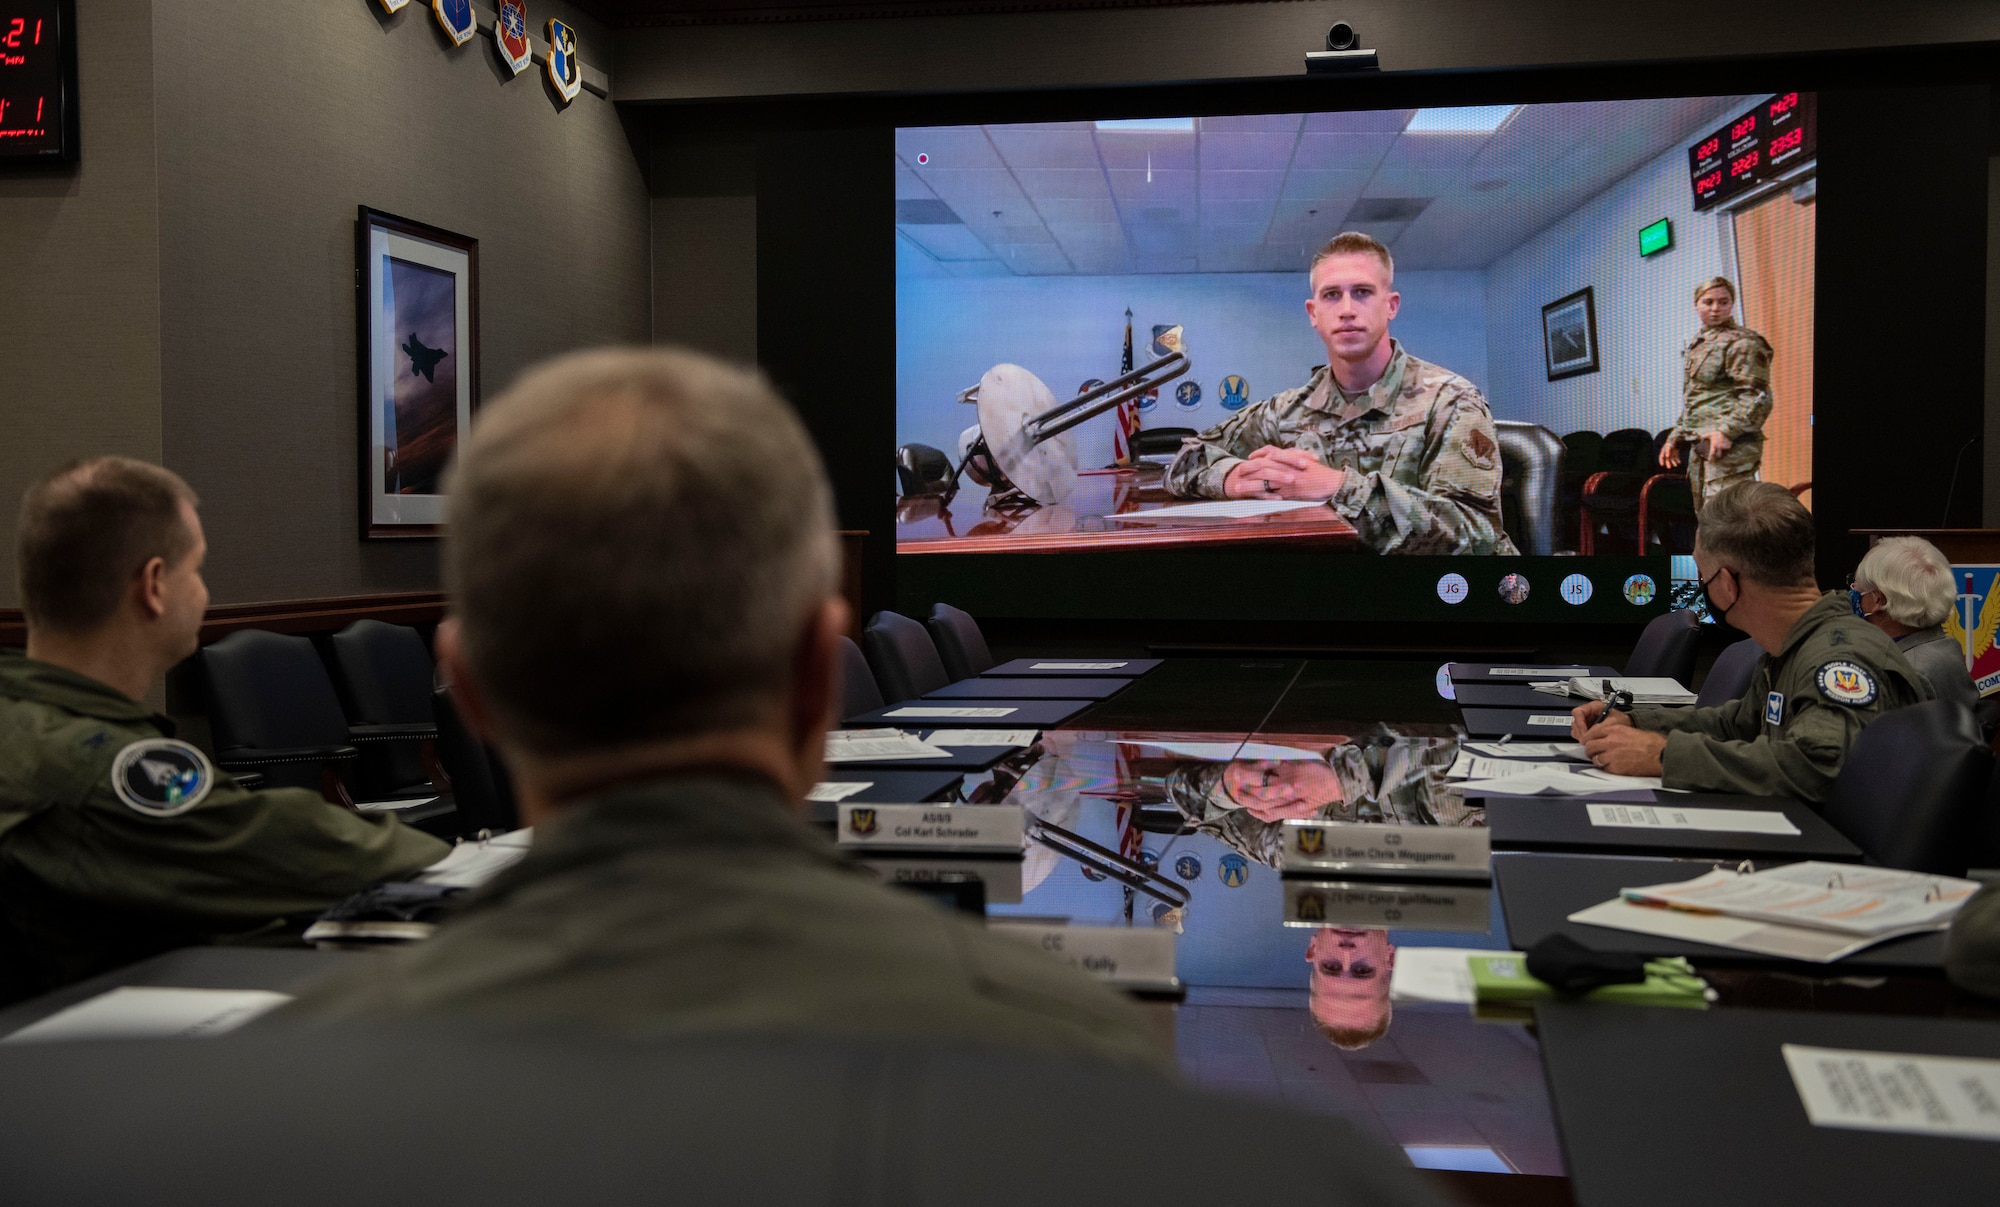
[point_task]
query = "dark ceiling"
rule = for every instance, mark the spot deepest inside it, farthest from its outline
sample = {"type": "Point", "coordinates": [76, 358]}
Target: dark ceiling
{"type": "Point", "coordinates": [634, 13]}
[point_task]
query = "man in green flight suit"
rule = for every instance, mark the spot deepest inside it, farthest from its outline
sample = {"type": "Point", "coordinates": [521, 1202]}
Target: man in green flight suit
{"type": "Point", "coordinates": [1403, 449]}
{"type": "Point", "coordinates": [118, 841]}
{"type": "Point", "coordinates": [1825, 673]}
{"type": "Point", "coordinates": [644, 570]}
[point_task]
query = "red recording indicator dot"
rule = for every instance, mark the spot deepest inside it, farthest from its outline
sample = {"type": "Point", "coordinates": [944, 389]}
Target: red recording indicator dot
{"type": "Point", "coordinates": [923, 159]}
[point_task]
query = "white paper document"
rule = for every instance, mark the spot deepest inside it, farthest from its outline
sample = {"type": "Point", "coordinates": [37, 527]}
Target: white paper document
{"type": "Point", "coordinates": [1468, 766]}
{"type": "Point", "coordinates": [829, 791]}
{"type": "Point", "coordinates": [1076, 666]}
{"type": "Point", "coordinates": [1839, 897]}
{"type": "Point", "coordinates": [951, 712]}
{"type": "Point", "coordinates": [878, 745]}
{"type": "Point", "coordinates": [1572, 751]}
{"type": "Point", "coordinates": [392, 806]}
{"type": "Point", "coordinates": [471, 864]}
{"type": "Point", "coordinates": [1537, 672]}
{"type": "Point", "coordinates": [1644, 691]}
{"type": "Point", "coordinates": [1217, 509]}
{"type": "Point", "coordinates": [146, 1012]}
{"type": "Point", "coordinates": [954, 738]}
{"type": "Point", "coordinates": [1434, 974]}
{"type": "Point", "coordinates": [1562, 779]}
{"type": "Point", "coordinates": [1897, 1092]}
{"type": "Point", "coordinates": [1671, 817]}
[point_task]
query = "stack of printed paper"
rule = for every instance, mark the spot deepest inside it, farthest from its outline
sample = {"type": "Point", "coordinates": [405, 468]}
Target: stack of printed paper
{"type": "Point", "coordinates": [1803, 911]}
{"type": "Point", "coordinates": [878, 745]}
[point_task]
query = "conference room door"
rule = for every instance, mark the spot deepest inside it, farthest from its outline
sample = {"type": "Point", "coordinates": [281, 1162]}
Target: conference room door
{"type": "Point", "coordinates": [1775, 243]}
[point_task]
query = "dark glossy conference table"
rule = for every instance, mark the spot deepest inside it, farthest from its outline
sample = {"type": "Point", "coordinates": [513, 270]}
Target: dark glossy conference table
{"type": "Point", "coordinates": [1238, 743]}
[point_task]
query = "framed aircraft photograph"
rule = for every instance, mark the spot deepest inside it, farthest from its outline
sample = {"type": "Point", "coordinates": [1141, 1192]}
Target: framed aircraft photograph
{"type": "Point", "coordinates": [418, 352]}
{"type": "Point", "coordinates": [1569, 334]}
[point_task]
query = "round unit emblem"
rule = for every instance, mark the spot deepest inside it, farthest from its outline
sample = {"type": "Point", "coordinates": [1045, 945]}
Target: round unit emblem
{"type": "Point", "coordinates": [1090, 385]}
{"type": "Point", "coordinates": [1453, 588]}
{"type": "Point", "coordinates": [1575, 589]}
{"type": "Point", "coordinates": [1149, 400]}
{"type": "Point", "coordinates": [1232, 869]}
{"type": "Point", "coordinates": [1235, 393]}
{"type": "Point", "coordinates": [161, 777]}
{"type": "Point", "coordinates": [1188, 395]}
{"type": "Point", "coordinates": [1640, 589]}
{"type": "Point", "coordinates": [1188, 867]}
{"type": "Point", "coordinates": [1514, 588]}
{"type": "Point", "coordinates": [1846, 683]}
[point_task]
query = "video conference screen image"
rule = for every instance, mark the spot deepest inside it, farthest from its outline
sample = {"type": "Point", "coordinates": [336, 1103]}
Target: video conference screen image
{"type": "Point", "coordinates": [1534, 329]}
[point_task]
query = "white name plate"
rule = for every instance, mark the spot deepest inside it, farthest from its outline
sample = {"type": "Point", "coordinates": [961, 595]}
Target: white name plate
{"type": "Point", "coordinates": [991, 828]}
{"type": "Point", "coordinates": [1554, 720]}
{"type": "Point", "coordinates": [1462, 909]}
{"type": "Point", "coordinates": [1002, 877]}
{"type": "Point", "coordinates": [1454, 852]}
{"type": "Point", "coordinates": [1133, 956]}
{"type": "Point", "coordinates": [1539, 672]}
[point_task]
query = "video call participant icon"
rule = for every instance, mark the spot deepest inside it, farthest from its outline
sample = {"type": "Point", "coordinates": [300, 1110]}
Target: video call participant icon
{"type": "Point", "coordinates": [1345, 437]}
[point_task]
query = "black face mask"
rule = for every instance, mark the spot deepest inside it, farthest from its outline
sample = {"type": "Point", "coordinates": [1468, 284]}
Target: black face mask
{"type": "Point", "coordinates": [1716, 610]}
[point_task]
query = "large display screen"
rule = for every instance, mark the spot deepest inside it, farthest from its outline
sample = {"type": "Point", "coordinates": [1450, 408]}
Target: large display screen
{"type": "Point", "coordinates": [1143, 338]}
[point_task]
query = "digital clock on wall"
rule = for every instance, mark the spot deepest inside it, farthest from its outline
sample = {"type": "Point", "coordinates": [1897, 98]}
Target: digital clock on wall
{"type": "Point", "coordinates": [1762, 145]}
{"type": "Point", "coordinates": [38, 110]}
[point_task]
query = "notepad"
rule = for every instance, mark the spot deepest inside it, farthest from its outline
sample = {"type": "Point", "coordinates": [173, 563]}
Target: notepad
{"type": "Point", "coordinates": [1565, 779]}
{"type": "Point", "coordinates": [942, 712]}
{"type": "Point", "coordinates": [1537, 672]}
{"type": "Point", "coordinates": [1218, 509]}
{"type": "Point", "coordinates": [1897, 1092]}
{"type": "Point", "coordinates": [1527, 750]}
{"type": "Point", "coordinates": [1076, 666]}
{"type": "Point", "coordinates": [150, 1012]}
{"type": "Point", "coordinates": [1668, 817]}
{"type": "Point", "coordinates": [830, 791]}
{"type": "Point", "coordinates": [952, 739]}
{"type": "Point", "coordinates": [878, 745]}
{"type": "Point", "coordinates": [471, 864]}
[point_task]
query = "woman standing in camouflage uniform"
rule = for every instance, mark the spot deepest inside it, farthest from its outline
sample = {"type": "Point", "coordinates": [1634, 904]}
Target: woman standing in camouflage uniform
{"type": "Point", "coordinates": [1726, 381]}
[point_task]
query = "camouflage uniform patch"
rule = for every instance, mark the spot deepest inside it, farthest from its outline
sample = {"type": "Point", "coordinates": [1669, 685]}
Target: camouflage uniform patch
{"type": "Point", "coordinates": [1726, 380]}
{"type": "Point", "coordinates": [1422, 462]}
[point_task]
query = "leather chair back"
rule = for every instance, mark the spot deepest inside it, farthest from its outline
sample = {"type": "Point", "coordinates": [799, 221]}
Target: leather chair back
{"type": "Point", "coordinates": [269, 691]}
{"type": "Point", "coordinates": [480, 789]}
{"type": "Point", "coordinates": [858, 693]}
{"type": "Point", "coordinates": [1531, 467]}
{"type": "Point", "coordinates": [1627, 451]}
{"type": "Point", "coordinates": [385, 672]}
{"type": "Point", "coordinates": [1730, 677]}
{"type": "Point", "coordinates": [1665, 649]}
{"type": "Point", "coordinates": [1159, 441]}
{"type": "Point", "coordinates": [960, 644]}
{"type": "Point", "coordinates": [901, 654]}
{"type": "Point", "coordinates": [1914, 789]}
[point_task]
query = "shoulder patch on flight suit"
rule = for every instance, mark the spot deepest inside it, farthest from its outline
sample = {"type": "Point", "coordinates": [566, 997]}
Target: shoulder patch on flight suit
{"type": "Point", "coordinates": [1481, 447]}
{"type": "Point", "coordinates": [1774, 708]}
{"type": "Point", "coordinates": [161, 777]}
{"type": "Point", "coordinates": [1845, 683]}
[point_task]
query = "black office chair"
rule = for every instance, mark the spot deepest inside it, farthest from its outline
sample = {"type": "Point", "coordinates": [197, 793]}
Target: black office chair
{"type": "Point", "coordinates": [1531, 468]}
{"type": "Point", "coordinates": [385, 673]}
{"type": "Point", "coordinates": [1610, 499]}
{"type": "Point", "coordinates": [1666, 649]}
{"type": "Point", "coordinates": [905, 661]}
{"type": "Point", "coordinates": [273, 710]}
{"type": "Point", "coordinates": [480, 787]}
{"type": "Point", "coordinates": [458, 1114]}
{"type": "Point", "coordinates": [1580, 451]}
{"type": "Point", "coordinates": [960, 644]}
{"type": "Point", "coordinates": [1730, 677]}
{"type": "Point", "coordinates": [1914, 791]}
{"type": "Point", "coordinates": [858, 693]}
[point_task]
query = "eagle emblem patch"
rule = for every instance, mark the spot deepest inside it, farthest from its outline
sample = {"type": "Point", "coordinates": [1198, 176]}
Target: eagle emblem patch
{"type": "Point", "coordinates": [861, 821]}
{"type": "Point", "coordinates": [1311, 841]}
{"type": "Point", "coordinates": [161, 777]}
{"type": "Point", "coordinates": [1845, 683]}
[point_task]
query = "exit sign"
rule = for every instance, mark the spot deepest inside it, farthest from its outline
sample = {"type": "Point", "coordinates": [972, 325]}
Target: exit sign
{"type": "Point", "coordinates": [1656, 238]}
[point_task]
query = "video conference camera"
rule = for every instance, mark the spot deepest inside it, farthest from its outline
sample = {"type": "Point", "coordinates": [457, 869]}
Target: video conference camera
{"type": "Point", "coordinates": [1342, 53]}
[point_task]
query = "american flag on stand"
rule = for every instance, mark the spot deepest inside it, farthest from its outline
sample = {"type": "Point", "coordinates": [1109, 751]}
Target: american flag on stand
{"type": "Point", "coordinates": [1128, 411]}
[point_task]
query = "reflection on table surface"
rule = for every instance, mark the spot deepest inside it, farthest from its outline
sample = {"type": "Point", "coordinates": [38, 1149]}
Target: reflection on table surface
{"type": "Point", "coordinates": [1289, 998]}
{"type": "Point", "coordinates": [968, 524]}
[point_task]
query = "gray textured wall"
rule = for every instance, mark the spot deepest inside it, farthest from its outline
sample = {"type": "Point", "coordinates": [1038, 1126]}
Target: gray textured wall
{"type": "Point", "coordinates": [276, 121]}
{"type": "Point", "coordinates": [79, 279]}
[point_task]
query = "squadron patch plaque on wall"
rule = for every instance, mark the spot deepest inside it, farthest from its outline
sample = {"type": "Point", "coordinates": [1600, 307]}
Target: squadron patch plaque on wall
{"type": "Point", "coordinates": [457, 19]}
{"type": "Point", "coordinates": [510, 35]}
{"type": "Point", "coordinates": [565, 73]}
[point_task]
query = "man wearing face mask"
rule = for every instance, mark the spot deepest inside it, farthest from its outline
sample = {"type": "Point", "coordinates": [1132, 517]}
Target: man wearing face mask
{"type": "Point", "coordinates": [1825, 673]}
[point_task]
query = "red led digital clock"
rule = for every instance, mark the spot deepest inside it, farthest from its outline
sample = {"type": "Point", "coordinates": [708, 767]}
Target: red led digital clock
{"type": "Point", "coordinates": [38, 116]}
{"type": "Point", "coordinates": [1759, 146]}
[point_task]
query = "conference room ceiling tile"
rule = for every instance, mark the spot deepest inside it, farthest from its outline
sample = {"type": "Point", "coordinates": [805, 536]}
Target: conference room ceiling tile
{"type": "Point", "coordinates": [1139, 151]}
{"type": "Point", "coordinates": [948, 243]}
{"type": "Point", "coordinates": [1241, 186]}
{"type": "Point", "coordinates": [1278, 123]}
{"type": "Point", "coordinates": [1064, 148]}
{"type": "Point", "coordinates": [1153, 188]}
{"type": "Point", "coordinates": [1074, 210]}
{"type": "Point", "coordinates": [949, 148]}
{"type": "Point", "coordinates": [1034, 259]}
{"type": "Point", "coordinates": [1246, 151]}
{"type": "Point", "coordinates": [1227, 213]}
{"type": "Point", "coordinates": [1359, 121]}
{"type": "Point", "coordinates": [1355, 152]}
{"type": "Point", "coordinates": [1433, 150]}
{"type": "Point", "coordinates": [1041, 183]}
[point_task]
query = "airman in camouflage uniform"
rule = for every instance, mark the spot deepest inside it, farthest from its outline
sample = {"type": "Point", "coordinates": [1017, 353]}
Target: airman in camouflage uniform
{"type": "Point", "coordinates": [1726, 380]}
{"type": "Point", "coordinates": [1422, 464]}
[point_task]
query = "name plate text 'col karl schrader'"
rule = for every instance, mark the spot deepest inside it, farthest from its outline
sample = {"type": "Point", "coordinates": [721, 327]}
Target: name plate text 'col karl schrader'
{"type": "Point", "coordinates": [986, 828]}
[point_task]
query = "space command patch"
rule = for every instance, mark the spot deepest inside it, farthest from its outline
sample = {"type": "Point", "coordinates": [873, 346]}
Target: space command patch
{"type": "Point", "coordinates": [161, 777]}
{"type": "Point", "coordinates": [1846, 683]}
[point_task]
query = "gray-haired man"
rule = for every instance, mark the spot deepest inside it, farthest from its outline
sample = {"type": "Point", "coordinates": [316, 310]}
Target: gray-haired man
{"type": "Point", "coordinates": [642, 565]}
